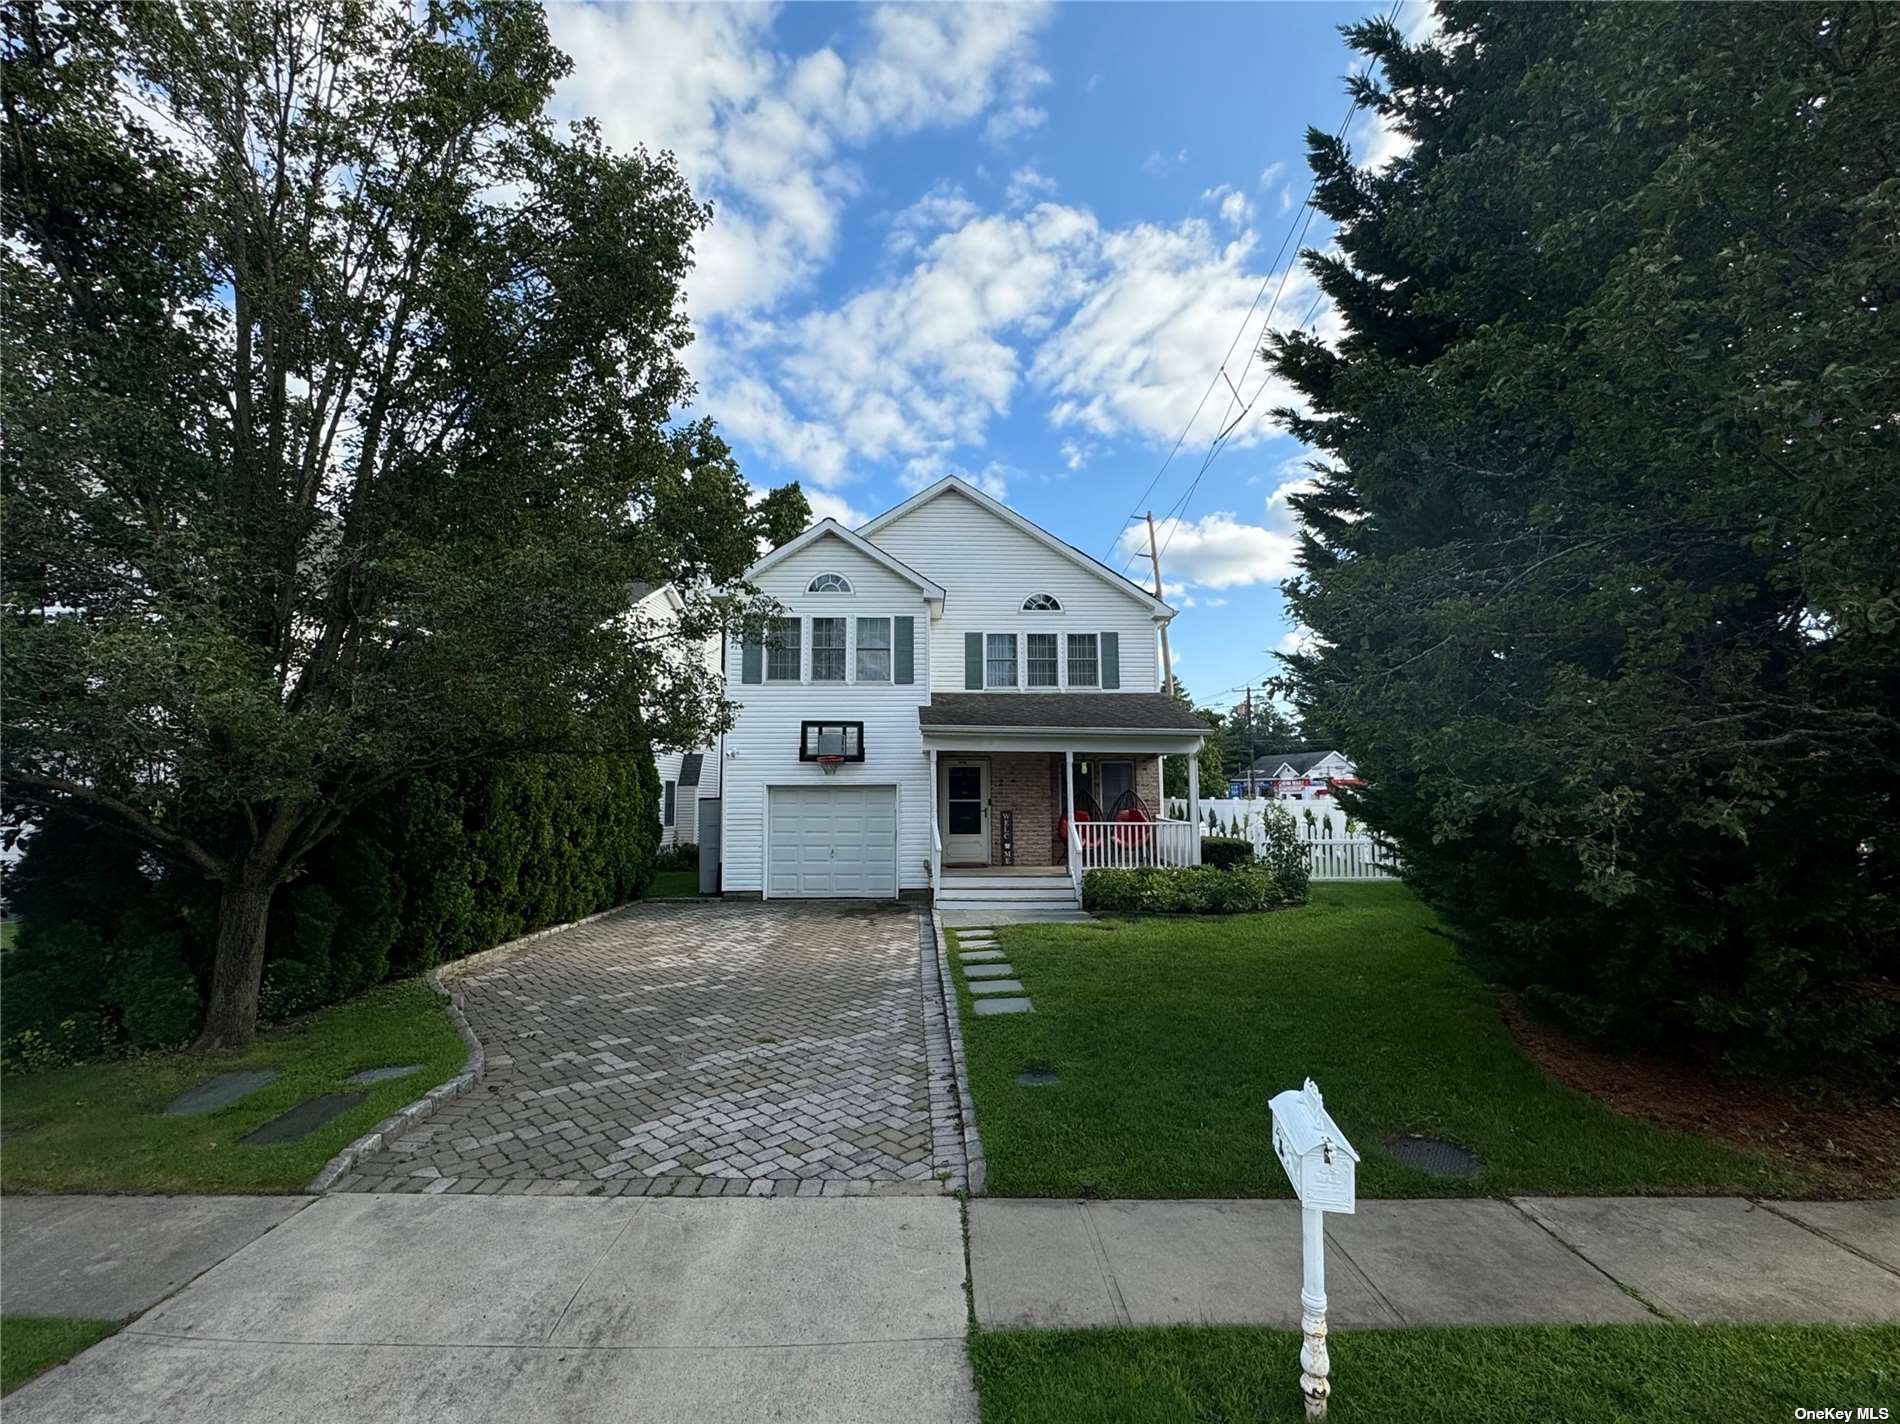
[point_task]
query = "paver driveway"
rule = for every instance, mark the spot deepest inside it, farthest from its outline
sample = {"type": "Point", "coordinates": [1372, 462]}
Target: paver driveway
{"type": "Point", "coordinates": [708, 1048]}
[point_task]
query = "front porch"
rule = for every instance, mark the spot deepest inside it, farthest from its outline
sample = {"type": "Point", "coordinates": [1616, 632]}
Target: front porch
{"type": "Point", "coordinates": [1031, 791]}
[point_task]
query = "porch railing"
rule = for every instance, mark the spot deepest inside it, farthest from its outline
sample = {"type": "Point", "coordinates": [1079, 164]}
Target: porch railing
{"type": "Point", "coordinates": [936, 859]}
{"type": "Point", "coordinates": [1127, 845]}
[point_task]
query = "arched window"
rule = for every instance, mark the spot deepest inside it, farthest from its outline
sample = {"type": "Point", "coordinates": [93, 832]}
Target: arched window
{"type": "Point", "coordinates": [1042, 603]}
{"type": "Point", "coordinates": [829, 583]}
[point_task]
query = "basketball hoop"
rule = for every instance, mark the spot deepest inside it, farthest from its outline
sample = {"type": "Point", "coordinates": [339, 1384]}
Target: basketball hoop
{"type": "Point", "coordinates": [829, 763]}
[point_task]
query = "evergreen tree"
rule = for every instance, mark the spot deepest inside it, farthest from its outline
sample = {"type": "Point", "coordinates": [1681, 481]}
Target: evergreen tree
{"type": "Point", "coordinates": [1604, 560]}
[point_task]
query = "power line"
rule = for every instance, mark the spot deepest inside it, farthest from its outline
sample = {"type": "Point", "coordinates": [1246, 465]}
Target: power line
{"type": "Point", "coordinates": [1303, 222]}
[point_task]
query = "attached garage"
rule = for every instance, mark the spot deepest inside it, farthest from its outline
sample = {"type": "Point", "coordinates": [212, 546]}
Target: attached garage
{"type": "Point", "coordinates": [831, 840]}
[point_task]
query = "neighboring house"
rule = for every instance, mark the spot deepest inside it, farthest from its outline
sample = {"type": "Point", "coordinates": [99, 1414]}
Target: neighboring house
{"type": "Point", "coordinates": [1296, 776]}
{"type": "Point", "coordinates": [980, 678]}
{"type": "Point", "coordinates": [686, 774]}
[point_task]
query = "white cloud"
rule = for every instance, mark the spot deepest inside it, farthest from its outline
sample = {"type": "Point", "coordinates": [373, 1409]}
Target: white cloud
{"type": "Point", "coordinates": [1026, 186]}
{"type": "Point", "coordinates": [826, 505]}
{"type": "Point", "coordinates": [1269, 173]}
{"type": "Point", "coordinates": [992, 479]}
{"type": "Point", "coordinates": [1233, 205]}
{"type": "Point", "coordinates": [1075, 454]}
{"type": "Point", "coordinates": [763, 134]}
{"type": "Point", "coordinates": [1137, 354]}
{"type": "Point", "coordinates": [1158, 162]}
{"type": "Point", "coordinates": [1216, 551]}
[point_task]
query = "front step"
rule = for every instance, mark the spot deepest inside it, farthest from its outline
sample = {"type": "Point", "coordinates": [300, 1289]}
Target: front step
{"type": "Point", "coordinates": [1035, 884]}
{"type": "Point", "coordinates": [1007, 910]}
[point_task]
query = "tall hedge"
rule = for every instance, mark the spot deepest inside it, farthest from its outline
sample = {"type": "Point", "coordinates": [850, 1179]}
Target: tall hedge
{"type": "Point", "coordinates": [114, 948]}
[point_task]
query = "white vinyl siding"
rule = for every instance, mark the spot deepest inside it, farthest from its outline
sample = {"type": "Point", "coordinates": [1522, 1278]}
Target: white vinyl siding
{"type": "Point", "coordinates": [987, 568]}
{"type": "Point", "coordinates": [762, 747]}
{"type": "Point", "coordinates": [832, 839]}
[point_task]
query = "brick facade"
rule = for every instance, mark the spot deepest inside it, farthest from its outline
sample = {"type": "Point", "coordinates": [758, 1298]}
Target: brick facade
{"type": "Point", "coordinates": [1028, 785]}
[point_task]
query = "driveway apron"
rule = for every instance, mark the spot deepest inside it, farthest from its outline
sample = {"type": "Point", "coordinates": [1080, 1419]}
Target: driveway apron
{"type": "Point", "coordinates": [706, 1048]}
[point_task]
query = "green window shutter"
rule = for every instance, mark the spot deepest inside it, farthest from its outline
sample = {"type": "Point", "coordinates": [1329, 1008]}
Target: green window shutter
{"type": "Point", "coordinates": [752, 662]}
{"type": "Point", "coordinates": [973, 661]}
{"type": "Point", "coordinates": [1111, 660]}
{"type": "Point", "coordinates": [903, 650]}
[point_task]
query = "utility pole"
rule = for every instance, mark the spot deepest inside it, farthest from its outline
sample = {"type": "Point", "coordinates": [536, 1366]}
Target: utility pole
{"type": "Point", "coordinates": [1154, 558]}
{"type": "Point", "coordinates": [1249, 716]}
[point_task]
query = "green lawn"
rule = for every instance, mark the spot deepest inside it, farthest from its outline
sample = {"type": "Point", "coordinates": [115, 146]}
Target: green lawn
{"type": "Point", "coordinates": [8, 930]}
{"type": "Point", "coordinates": [1170, 1035]}
{"type": "Point", "coordinates": [101, 1128]}
{"type": "Point", "coordinates": [1617, 1374]}
{"type": "Point", "coordinates": [670, 883]}
{"type": "Point", "coordinates": [32, 1343]}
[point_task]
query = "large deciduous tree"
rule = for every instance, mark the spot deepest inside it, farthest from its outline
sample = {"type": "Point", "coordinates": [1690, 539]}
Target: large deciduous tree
{"type": "Point", "coordinates": [1606, 563]}
{"type": "Point", "coordinates": [340, 390]}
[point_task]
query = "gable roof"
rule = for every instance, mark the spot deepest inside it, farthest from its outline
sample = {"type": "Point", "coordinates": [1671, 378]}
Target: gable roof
{"type": "Point", "coordinates": [950, 484]}
{"type": "Point", "coordinates": [1299, 763]}
{"type": "Point", "coordinates": [831, 528]}
{"type": "Point", "coordinates": [642, 592]}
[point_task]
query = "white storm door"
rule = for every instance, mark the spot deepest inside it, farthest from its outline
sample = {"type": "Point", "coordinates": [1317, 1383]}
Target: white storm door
{"type": "Point", "coordinates": [966, 812]}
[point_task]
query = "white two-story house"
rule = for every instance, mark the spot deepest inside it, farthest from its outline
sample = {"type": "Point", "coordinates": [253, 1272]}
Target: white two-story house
{"type": "Point", "coordinates": [955, 702]}
{"type": "Point", "coordinates": [687, 774]}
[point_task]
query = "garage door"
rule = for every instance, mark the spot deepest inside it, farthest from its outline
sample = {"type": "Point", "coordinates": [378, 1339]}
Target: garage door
{"type": "Point", "coordinates": [832, 840]}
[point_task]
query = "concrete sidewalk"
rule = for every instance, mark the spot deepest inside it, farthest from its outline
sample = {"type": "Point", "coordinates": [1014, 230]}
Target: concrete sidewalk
{"type": "Point", "coordinates": [1575, 1260]}
{"type": "Point", "coordinates": [457, 1308]}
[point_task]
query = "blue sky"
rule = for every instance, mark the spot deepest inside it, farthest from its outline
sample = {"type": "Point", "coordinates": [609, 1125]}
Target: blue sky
{"type": "Point", "coordinates": [1007, 242]}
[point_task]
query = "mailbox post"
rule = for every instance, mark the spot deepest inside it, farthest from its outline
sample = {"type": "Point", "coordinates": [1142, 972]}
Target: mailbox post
{"type": "Point", "coordinates": [1320, 1163]}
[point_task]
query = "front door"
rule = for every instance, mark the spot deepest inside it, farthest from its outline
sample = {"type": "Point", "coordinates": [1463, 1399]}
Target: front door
{"type": "Point", "coordinates": [966, 813]}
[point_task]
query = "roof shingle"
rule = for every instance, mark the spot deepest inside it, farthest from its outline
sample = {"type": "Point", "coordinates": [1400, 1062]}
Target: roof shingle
{"type": "Point", "coordinates": [1117, 711]}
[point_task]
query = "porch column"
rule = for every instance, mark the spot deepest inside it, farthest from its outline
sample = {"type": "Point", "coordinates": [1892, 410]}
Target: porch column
{"type": "Point", "coordinates": [1068, 798]}
{"type": "Point", "coordinates": [936, 860]}
{"type": "Point", "coordinates": [1194, 807]}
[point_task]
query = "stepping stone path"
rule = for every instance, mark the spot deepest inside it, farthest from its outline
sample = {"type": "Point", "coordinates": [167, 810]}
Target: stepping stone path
{"type": "Point", "coordinates": [1434, 1155]}
{"type": "Point", "coordinates": [1036, 1078]}
{"type": "Point", "coordinates": [221, 1090]}
{"type": "Point", "coordinates": [992, 983]}
{"type": "Point", "coordinates": [302, 1120]}
{"type": "Point", "coordinates": [383, 1075]}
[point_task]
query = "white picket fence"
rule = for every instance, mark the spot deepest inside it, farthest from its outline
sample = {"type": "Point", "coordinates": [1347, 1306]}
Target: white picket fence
{"type": "Point", "coordinates": [1333, 851]}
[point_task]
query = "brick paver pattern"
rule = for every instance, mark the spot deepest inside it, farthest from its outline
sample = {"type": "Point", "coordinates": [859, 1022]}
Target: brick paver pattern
{"type": "Point", "coordinates": [712, 1048]}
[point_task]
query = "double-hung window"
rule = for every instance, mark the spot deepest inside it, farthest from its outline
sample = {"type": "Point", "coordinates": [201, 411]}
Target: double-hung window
{"type": "Point", "coordinates": [1085, 660]}
{"type": "Point", "coordinates": [781, 650]}
{"type": "Point", "coordinates": [1000, 670]}
{"type": "Point", "coordinates": [1039, 659]}
{"type": "Point", "coordinates": [874, 650]}
{"type": "Point", "coordinates": [827, 650]}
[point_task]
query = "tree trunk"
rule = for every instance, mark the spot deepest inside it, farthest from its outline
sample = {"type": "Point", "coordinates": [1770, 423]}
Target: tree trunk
{"type": "Point", "coordinates": [237, 970]}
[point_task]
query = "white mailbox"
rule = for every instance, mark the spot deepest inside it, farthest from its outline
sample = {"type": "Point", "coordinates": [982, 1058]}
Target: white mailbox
{"type": "Point", "coordinates": [1318, 1159]}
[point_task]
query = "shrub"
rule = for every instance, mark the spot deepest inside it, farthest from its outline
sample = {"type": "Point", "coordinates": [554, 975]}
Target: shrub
{"type": "Point", "coordinates": [1185, 890]}
{"type": "Point", "coordinates": [113, 949]}
{"type": "Point", "coordinates": [1225, 852]}
{"type": "Point", "coordinates": [683, 855]}
{"type": "Point", "coordinates": [1283, 853]}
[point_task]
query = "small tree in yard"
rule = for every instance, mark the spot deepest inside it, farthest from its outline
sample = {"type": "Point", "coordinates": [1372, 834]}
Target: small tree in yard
{"type": "Point", "coordinates": [1602, 555]}
{"type": "Point", "coordinates": [338, 400]}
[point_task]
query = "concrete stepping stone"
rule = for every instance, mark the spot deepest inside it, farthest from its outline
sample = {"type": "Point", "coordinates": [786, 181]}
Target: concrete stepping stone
{"type": "Point", "coordinates": [383, 1075]}
{"type": "Point", "coordinates": [980, 956]}
{"type": "Point", "coordinates": [989, 971]}
{"type": "Point", "coordinates": [1036, 1078]}
{"type": "Point", "coordinates": [224, 1089]}
{"type": "Point", "coordinates": [986, 1007]}
{"type": "Point", "coordinates": [998, 986]}
{"type": "Point", "coordinates": [302, 1120]}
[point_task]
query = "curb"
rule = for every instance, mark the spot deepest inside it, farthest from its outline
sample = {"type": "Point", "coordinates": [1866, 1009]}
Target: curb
{"type": "Point", "coordinates": [977, 1167]}
{"type": "Point", "coordinates": [424, 1107]}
